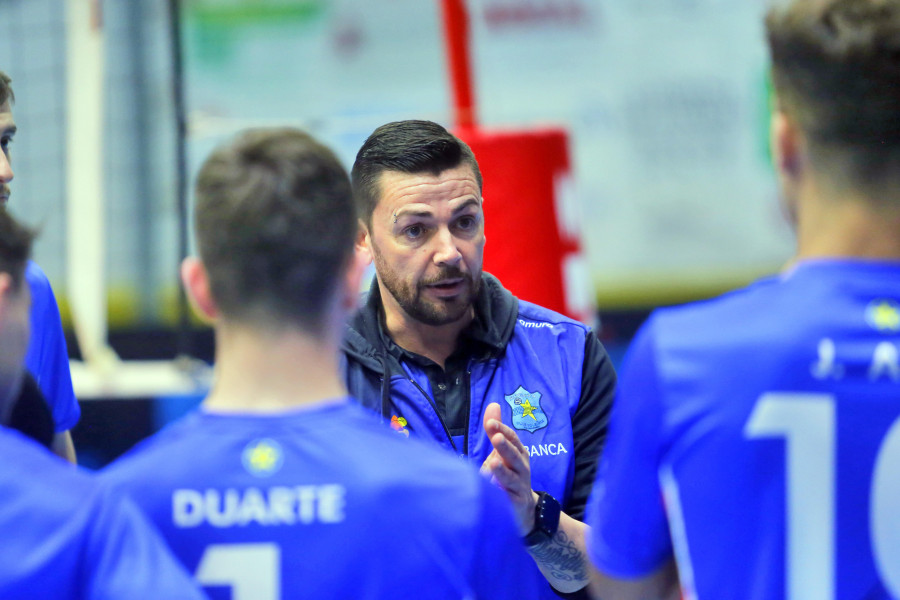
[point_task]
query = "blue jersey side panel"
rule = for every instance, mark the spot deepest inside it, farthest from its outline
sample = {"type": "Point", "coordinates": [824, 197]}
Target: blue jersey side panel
{"type": "Point", "coordinates": [338, 506]}
{"type": "Point", "coordinates": [635, 427]}
{"type": "Point", "coordinates": [718, 398]}
{"type": "Point", "coordinates": [47, 357]}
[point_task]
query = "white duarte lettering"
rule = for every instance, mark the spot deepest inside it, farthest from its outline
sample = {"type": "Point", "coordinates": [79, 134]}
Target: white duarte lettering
{"type": "Point", "coordinates": [277, 505]}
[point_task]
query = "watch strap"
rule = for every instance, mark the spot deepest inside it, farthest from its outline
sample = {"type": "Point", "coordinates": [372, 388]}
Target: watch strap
{"type": "Point", "coordinates": [546, 520]}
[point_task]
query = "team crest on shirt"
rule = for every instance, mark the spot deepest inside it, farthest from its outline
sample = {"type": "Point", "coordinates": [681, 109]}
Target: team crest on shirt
{"type": "Point", "coordinates": [262, 457]}
{"type": "Point", "coordinates": [883, 315]}
{"type": "Point", "coordinates": [527, 413]}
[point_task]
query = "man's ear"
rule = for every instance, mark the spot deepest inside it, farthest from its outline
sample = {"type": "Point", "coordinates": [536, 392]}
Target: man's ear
{"type": "Point", "coordinates": [6, 290]}
{"type": "Point", "coordinates": [789, 156]}
{"type": "Point", "coordinates": [484, 235]}
{"type": "Point", "coordinates": [787, 145]}
{"type": "Point", "coordinates": [363, 245]}
{"type": "Point", "coordinates": [196, 283]}
{"type": "Point", "coordinates": [353, 281]}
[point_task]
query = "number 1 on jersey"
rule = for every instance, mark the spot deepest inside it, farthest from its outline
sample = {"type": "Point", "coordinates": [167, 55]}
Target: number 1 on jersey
{"type": "Point", "coordinates": [251, 570]}
{"type": "Point", "coordinates": [806, 422]}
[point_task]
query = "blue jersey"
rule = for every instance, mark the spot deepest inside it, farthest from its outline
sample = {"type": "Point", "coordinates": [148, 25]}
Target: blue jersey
{"type": "Point", "coordinates": [47, 358]}
{"type": "Point", "coordinates": [64, 536]}
{"type": "Point", "coordinates": [757, 438]}
{"type": "Point", "coordinates": [322, 502]}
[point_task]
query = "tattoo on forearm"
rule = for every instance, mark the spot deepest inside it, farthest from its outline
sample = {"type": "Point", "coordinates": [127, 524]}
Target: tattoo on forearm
{"type": "Point", "coordinates": [562, 558]}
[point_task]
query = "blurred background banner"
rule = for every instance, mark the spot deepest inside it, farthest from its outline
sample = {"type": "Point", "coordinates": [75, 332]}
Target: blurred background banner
{"type": "Point", "coordinates": [664, 104]}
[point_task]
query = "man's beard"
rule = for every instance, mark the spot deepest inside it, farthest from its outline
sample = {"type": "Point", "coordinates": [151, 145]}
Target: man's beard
{"type": "Point", "coordinates": [439, 311]}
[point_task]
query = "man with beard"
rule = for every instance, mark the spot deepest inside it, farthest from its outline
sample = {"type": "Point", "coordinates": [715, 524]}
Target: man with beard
{"type": "Point", "coordinates": [442, 351]}
{"type": "Point", "coordinates": [279, 487]}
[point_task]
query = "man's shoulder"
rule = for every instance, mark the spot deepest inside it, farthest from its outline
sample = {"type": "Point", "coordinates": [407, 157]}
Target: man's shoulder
{"type": "Point", "coordinates": [46, 328]}
{"type": "Point", "coordinates": [419, 482]}
{"type": "Point", "coordinates": [396, 457]}
{"type": "Point", "coordinates": [534, 316]}
{"type": "Point", "coordinates": [753, 311]}
{"type": "Point", "coordinates": [37, 283]}
{"type": "Point", "coordinates": [40, 483]}
{"type": "Point", "coordinates": [358, 346]}
{"type": "Point", "coordinates": [349, 434]}
{"type": "Point", "coordinates": [157, 455]}
{"type": "Point", "coordinates": [770, 320]}
{"type": "Point", "coordinates": [35, 275]}
{"type": "Point", "coordinates": [527, 314]}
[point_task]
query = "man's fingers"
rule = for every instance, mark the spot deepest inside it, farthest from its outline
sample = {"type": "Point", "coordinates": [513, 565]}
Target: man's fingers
{"type": "Point", "coordinates": [494, 426]}
{"type": "Point", "coordinates": [493, 423]}
{"type": "Point", "coordinates": [491, 413]}
{"type": "Point", "coordinates": [510, 454]}
{"type": "Point", "coordinates": [486, 465]}
{"type": "Point", "coordinates": [509, 480]}
{"type": "Point", "coordinates": [511, 435]}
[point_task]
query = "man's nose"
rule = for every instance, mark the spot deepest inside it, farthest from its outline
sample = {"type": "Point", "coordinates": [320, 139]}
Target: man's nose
{"type": "Point", "coordinates": [6, 172]}
{"type": "Point", "coordinates": [446, 251]}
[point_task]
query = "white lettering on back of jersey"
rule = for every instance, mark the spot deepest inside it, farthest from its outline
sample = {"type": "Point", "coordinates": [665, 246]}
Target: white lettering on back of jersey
{"type": "Point", "coordinates": [826, 367]}
{"type": "Point", "coordinates": [187, 508]}
{"type": "Point", "coordinates": [547, 449]}
{"type": "Point", "coordinates": [277, 505]}
{"type": "Point", "coordinates": [885, 362]}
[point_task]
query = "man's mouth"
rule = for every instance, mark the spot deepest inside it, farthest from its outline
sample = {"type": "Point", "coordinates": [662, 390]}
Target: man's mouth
{"type": "Point", "coordinates": [447, 283]}
{"type": "Point", "coordinates": [447, 288]}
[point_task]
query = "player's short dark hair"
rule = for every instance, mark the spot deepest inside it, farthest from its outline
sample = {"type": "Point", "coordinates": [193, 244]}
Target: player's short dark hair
{"type": "Point", "coordinates": [836, 71]}
{"type": "Point", "coordinates": [15, 247]}
{"type": "Point", "coordinates": [275, 226]}
{"type": "Point", "coordinates": [6, 92]}
{"type": "Point", "coordinates": [408, 147]}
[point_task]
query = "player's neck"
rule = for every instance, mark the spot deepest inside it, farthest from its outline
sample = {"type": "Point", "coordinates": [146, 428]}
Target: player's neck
{"type": "Point", "coordinates": [847, 225]}
{"type": "Point", "coordinates": [434, 342]}
{"type": "Point", "coordinates": [272, 371]}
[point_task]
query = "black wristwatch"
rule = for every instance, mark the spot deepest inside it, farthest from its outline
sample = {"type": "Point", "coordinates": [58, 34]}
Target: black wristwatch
{"type": "Point", "coordinates": [546, 520]}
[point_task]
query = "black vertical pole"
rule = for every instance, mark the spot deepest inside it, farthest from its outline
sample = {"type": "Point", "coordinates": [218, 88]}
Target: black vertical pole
{"type": "Point", "coordinates": [183, 340]}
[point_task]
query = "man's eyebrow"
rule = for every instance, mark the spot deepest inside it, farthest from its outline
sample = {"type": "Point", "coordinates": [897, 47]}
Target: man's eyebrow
{"type": "Point", "coordinates": [403, 212]}
{"type": "Point", "coordinates": [466, 204]}
{"type": "Point", "coordinates": [11, 130]}
{"type": "Point", "coordinates": [426, 214]}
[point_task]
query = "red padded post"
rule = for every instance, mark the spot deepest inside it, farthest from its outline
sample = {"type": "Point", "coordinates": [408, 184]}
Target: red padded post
{"type": "Point", "coordinates": [456, 38]}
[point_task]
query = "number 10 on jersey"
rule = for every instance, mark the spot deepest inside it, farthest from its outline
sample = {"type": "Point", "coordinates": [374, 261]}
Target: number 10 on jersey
{"type": "Point", "coordinates": [807, 423]}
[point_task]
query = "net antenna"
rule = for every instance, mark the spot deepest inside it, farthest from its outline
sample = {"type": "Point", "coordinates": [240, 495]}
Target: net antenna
{"type": "Point", "coordinates": [86, 266]}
